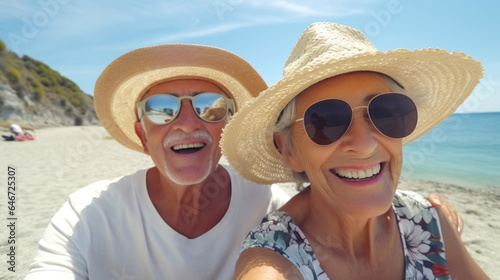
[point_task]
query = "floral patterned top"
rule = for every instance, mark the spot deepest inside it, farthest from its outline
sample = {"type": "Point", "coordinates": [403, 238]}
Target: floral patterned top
{"type": "Point", "coordinates": [418, 224]}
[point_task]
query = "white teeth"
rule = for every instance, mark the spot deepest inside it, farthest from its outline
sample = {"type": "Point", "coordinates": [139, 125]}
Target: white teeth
{"type": "Point", "coordinates": [358, 173]}
{"type": "Point", "coordinates": [188, 146]}
{"type": "Point", "coordinates": [369, 172]}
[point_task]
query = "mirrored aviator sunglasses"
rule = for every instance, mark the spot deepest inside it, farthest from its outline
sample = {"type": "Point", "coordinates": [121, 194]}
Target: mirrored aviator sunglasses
{"type": "Point", "coordinates": [164, 108]}
{"type": "Point", "coordinates": [392, 114]}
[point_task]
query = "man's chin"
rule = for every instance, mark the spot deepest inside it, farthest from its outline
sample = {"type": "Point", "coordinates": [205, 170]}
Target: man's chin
{"type": "Point", "coordinates": [188, 176]}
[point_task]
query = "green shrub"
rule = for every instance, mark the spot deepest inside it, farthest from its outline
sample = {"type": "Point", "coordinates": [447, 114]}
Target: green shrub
{"type": "Point", "coordinates": [3, 79]}
{"type": "Point", "coordinates": [14, 75]}
{"type": "Point", "coordinates": [39, 90]}
{"type": "Point", "coordinates": [3, 47]}
{"type": "Point", "coordinates": [46, 82]}
{"type": "Point", "coordinates": [40, 93]}
{"type": "Point", "coordinates": [53, 80]}
{"type": "Point", "coordinates": [78, 100]}
{"type": "Point", "coordinates": [59, 91]}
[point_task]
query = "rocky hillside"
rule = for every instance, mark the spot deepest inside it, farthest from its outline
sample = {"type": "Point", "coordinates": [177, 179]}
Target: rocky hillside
{"type": "Point", "coordinates": [34, 95]}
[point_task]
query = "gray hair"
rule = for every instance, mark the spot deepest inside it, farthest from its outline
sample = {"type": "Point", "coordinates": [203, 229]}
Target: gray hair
{"type": "Point", "coordinates": [286, 119]}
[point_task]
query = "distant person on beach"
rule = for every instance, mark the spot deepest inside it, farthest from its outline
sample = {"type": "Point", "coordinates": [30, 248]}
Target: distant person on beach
{"type": "Point", "coordinates": [186, 217]}
{"type": "Point", "coordinates": [16, 129]}
{"type": "Point", "coordinates": [337, 121]}
{"type": "Point", "coordinates": [17, 134]}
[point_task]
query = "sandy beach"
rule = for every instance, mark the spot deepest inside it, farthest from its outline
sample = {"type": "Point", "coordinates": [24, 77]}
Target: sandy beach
{"type": "Point", "coordinates": [63, 160]}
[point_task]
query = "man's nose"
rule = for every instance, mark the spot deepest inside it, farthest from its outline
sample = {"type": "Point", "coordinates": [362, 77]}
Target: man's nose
{"type": "Point", "coordinates": [187, 119]}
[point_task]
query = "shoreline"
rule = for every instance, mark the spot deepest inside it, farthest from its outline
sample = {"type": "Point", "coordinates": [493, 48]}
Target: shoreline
{"type": "Point", "coordinates": [62, 160]}
{"type": "Point", "coordinates": [461, 182]}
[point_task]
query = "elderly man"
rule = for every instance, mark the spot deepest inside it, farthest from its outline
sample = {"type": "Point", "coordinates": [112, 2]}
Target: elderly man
{"type": "Point", "coordinates": [184, 218]}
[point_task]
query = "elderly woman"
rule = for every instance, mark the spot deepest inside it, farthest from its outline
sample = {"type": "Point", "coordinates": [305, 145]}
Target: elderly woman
{"type": "Point", "coordinates": [338, 121]}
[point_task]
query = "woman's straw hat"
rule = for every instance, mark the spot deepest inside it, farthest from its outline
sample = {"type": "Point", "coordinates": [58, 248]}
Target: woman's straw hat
{"type": "Point", "coordinates": [436, 80]}
{"type": "Point", "coordinates": [123, 82]}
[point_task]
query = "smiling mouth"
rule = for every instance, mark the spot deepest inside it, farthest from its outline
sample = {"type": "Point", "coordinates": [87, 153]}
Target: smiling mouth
{"type": "Point", "coordinates": [188, 148]}
{"type": "Point", "coordinates": [358, 174]}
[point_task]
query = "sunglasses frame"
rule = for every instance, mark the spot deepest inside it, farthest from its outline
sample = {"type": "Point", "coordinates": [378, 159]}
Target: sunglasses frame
{"type": "Point", "coordinates": [141, 106]}
{"type": "Point", "coordinates": [352, 110]}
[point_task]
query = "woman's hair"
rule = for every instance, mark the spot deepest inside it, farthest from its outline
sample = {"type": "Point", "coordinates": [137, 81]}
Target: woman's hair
{"type": "Point", "coordinates": [286, 119]}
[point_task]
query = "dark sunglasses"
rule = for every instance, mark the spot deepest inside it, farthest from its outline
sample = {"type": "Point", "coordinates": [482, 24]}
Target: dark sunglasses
{"type": "Point", "coordinates": [163, 108]}
{"type": "Point", "coordinates": [393, 114]}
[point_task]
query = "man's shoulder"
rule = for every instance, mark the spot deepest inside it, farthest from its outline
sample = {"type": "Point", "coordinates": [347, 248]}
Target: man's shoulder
{"type": "Point", "coordinates": [250, 189]}
{"type": "Point", "coordinates": [105, 190]}
{"type": "Point", "coordinates": [237, 181]}
{"type": "Point", "coordinates": [236, 178]}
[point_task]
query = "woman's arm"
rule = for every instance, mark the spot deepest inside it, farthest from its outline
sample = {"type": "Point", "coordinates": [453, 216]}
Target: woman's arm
{"type": "Point", "coordinates": [460, 262]}
{"type": "Point", "coordinates": [262, 263]}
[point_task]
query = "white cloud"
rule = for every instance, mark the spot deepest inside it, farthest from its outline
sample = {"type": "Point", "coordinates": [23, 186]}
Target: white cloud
{"type": "Point", "coordinates": [178, 19]}
{"type": "Point", "coordinates": [232, 15]}
{"type": "Point", "coordinates": [288, 6]}
{"type": "Point", "coordinates": [216, 16]}
{"type": "Point", "coordinates": [308, 8]}
{"type": "Point", "coordinates": [177, 37]}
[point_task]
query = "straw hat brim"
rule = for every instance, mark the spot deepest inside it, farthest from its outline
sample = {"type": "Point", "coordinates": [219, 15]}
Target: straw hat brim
{"type": "Point", "coordinates": [436, 80]}
{"type": "Point", "coordinates": [127, 78]}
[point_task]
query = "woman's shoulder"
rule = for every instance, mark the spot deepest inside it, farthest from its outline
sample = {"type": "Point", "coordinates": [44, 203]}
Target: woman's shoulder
{"type": "Point", "coordinates": [298, 206]}
{"type": "Point", "coordinates": [410, 199]}
{"type": "Point", "coordinates": [276, 221]}
{"type": "Point", "coordinates": [277, 231]}
{"type": "Point", "coordinates": [414, 207]}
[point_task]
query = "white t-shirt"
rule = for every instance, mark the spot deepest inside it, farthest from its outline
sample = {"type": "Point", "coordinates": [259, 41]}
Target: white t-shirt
{"type": "Point", "coordinates": [111, 230]}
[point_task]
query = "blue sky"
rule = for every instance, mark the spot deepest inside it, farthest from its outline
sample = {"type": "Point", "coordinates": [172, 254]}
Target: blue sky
{"type": "Point", "coordinates": [79, 38]}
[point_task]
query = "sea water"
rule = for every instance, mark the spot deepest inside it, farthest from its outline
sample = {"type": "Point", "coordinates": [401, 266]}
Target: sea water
{"type": "Point", "coordinates": [463, 150]}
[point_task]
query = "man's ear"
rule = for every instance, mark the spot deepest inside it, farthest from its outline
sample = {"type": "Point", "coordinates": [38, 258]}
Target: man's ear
{"type": "Point", "coordinates": [139, 131]}
{"type": "Point", "coordinates": [289, 156]}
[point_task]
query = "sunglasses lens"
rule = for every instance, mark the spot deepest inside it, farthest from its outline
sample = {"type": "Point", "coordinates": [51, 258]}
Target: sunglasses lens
{"type": "Point", "coordinates": [393, 114]}
{"type": "Point", "coordinates": [210, 107]}
{"type": "Point", "coordinates": [161, 109]}
{"type": "Point", "coordinates": [326, 121]}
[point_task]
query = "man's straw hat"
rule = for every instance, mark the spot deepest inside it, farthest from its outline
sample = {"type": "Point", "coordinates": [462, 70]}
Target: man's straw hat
{"type": "Point", "coordinates": [436, 80]}
{"type": "Point", "coordinates": [127, 78]}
